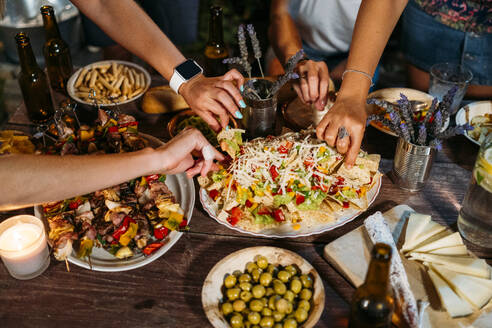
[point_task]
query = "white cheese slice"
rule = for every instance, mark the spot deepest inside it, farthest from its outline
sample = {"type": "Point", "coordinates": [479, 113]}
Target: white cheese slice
{"type": "Point", "coordinates": [416, 224]}
{"type": "Point", "coordinates": [448, 241]}
{"type": "Point", "coordinates": [471, 290]}
{"type": "Point", "coordinates": [455, 306]}
{"type": "Point", "coordinates": [487, 283]}
{"type": "Point", "coordinates": [431, 228]}
{"type": "Point", "coordinates": [453, 250]}
{"type": "Point", "coordinates": [466, 265]}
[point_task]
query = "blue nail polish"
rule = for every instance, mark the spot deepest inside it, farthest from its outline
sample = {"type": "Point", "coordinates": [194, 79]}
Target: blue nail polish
{"type": "Point", "coordinates": [227, 128]}
{"type": "Point", "coordinates": [241, 88]}
{"type": "Point", "coordinates": [238, 115]}
{"type": "Point", "coordinates": [242, 103]}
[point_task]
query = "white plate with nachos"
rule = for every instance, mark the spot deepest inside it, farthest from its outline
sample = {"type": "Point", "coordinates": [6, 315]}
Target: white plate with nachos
{"type": "Point", "coordinates": [289, 186]}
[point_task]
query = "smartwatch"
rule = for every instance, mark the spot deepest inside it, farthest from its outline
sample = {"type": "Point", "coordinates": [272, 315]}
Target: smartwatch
{"type": "Point", "coordinates": [183, 73]}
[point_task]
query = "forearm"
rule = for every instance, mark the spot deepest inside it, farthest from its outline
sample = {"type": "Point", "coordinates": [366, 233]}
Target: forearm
{"type": "Point", "coordinates": [375, 22]}
{"type": "Point", "coordinates": [283, 34]}
{"type": "Point", "coordinates": [34, 179]}
{"type": "Point", "coordinates": [126, 23]}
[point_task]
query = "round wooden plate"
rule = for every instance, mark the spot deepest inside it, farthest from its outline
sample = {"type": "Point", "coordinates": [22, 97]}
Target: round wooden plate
{"type": "Point", "coordinates": [211, 291]}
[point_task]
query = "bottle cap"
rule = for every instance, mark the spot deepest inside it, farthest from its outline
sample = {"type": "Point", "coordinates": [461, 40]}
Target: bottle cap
{"type": "Point", "coordinates": [215, 10]}
{"type": "Point", "coordinates": [22, 38]}
{"type": "Point", "coordinates": [382, 252]}
{"type": "Point", "coordinates": [47, 10]}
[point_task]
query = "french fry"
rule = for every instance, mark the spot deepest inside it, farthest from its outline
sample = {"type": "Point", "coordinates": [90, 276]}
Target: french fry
{"type": "Point", "coordinates": [119, 82]}
{"type": "Point", "coordinates": [142, 80]}
{"type": "Point", "coordinates": [136, 92]}
{"type": "Point", "coordinates": [114, 68]}
{"type": "Point", "coordinates": [105, 83]}
{"type": "Point", "coordinates": [92, 82]}
{"type": "Point", "coordinates": [137, 80]}
{"type": "Point", "coordinates": [131, 77]}
{"type": "Point", "coordinates": [80, 78]}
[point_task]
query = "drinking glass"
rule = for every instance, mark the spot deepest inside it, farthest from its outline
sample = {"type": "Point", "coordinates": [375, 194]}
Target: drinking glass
{"type": "Point", "coordinates": [475, 217]}
{"type": "Point", "coordinates": [444, 76]}
{"type": "Point", "coordinates": [260, 114]}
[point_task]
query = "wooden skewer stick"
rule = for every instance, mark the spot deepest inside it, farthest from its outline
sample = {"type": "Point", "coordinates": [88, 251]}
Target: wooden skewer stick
{"type": "Point", "coordinates": [90, 262]}
{"type": "Point", "coordinates": [66, 264]}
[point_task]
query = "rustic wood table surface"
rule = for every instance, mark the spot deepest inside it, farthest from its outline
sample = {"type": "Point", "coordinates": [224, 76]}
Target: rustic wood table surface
{"type": "Point", "coordinates": [167, 292]}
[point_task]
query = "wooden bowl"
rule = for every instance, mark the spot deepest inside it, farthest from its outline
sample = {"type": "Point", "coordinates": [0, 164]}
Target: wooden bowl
{"type": "Point", "coordinates": [212, 294]}
{"type": "Point", "coordinates": [174, 122]}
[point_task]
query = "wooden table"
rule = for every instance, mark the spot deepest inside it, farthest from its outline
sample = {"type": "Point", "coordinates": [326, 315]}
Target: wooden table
{"type": "Point", "coordinates": [167, 292]}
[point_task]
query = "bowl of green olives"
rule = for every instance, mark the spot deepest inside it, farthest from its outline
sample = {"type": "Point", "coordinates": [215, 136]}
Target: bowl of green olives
{"type": "Point", "coordinates": [267, 287]}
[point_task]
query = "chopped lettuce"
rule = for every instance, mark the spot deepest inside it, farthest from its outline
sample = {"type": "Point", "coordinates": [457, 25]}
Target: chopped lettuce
{"type": "Point", "coordinates": [313, 201]}
{"type": "Point", "coordinates": [281, 200]}
{"type": "Point", "coordinates": [219, 175]}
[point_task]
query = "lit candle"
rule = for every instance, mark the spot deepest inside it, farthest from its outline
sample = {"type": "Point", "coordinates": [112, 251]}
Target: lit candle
{"type": "Point", "coordinates": [23, 246]}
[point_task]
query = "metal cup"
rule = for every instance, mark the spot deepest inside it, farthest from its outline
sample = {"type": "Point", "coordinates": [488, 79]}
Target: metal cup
{"type": "Point", "coordinates": [412, 165]}
{"type": "Point", "coordinates": [260, 114]}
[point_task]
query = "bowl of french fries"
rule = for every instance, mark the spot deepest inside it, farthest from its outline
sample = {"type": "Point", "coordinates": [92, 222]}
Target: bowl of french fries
{"type": "Point", "coordinates": [108, 83]}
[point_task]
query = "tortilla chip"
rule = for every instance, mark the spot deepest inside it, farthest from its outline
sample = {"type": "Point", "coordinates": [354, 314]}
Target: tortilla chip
{"type": "Point", "coordinates": [318, 215]}
{"type": "Point", "coordinates": [359, 173]}
{"type": "Point", "coordinates": [203, 181]}
{"type": "Point", "coordinates": [333, 205]}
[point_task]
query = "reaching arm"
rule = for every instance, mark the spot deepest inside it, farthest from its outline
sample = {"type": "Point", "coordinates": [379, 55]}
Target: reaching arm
{"type": "Point", "coordinates": [34, 179]}
{"type": "Point", "coordinates": [126, 23]}
{"type": "Point", "coordinates": [375, 22]}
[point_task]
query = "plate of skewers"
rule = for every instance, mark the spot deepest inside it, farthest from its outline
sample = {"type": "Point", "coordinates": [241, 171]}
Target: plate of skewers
{"type": "Point", "coordinates": [122, 227]}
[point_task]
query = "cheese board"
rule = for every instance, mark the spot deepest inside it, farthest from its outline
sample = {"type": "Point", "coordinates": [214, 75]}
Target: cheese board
{"type": "Point", "coordinates": [350, 255]}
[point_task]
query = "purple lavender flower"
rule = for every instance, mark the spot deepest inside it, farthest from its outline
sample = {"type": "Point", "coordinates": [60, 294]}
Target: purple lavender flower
{"type": "Point", "coordinates": [243, 48]}
{"type": "Point", "coordinates": [453, 131]}
{"type": "Point", "coordinates": [292, 62]}
{"type": "Point", "coordinates": [431, 111]}
{"type": "Point", "coordinates": [282, 80]}
{"type": "Point", "coordinates": [437, 124]}
{"type": "Point", "coordinates": [405, 134]}
{"type": "Point", "coordinates": [447, 102]}
{"type": "Point", "coordinates": [239, 61]}
{"type": "Point", "coordinates": [256, 45]}
{"type": "Point", "coordinates": [407, 113]}
{"type": "Point", "coordinates": [436, 143]}
{"type": "Point", "coordinates": [422, 136]}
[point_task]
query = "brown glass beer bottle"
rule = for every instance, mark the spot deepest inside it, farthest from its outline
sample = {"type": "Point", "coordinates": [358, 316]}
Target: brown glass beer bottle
{"type": "Point", "coordinates": [215, 49]}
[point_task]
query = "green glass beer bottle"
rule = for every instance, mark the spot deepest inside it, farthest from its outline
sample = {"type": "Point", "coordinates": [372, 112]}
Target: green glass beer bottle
{"type": "Point", "coordinates": [372, 304]}
{"type": "Point", "coordinates": [33, 83]}
{"type": "Point", "coordinates": [215, 49]}
{"type": "Point", "coordinates": [56, 52]}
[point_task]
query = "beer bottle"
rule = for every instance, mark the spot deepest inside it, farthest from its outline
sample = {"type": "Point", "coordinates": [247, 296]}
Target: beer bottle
{"type": "Point", "coordinates": [215, 49]}
{"type": "Point", "coordinates": [372, 304]}
{"type": "Point", "coordinates": [33, 83]}
{"type": "Point", "coordinates": [56, 52]}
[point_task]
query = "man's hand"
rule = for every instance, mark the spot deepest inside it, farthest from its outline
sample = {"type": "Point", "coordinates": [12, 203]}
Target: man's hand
{"type": "Point", "coordinates": [312, 86]}
{"type": "Point", "coordinates": [215, 97]}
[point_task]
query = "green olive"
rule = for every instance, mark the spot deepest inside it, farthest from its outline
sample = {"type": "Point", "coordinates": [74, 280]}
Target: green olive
{"type": "Point", "coordinates": [303, 304]}
{"type": "Point", "coordinates": [306, 294]}
{"type": "Point", "coordinates": [233, 293]}
{"type": "Point", "coordinates": [246, 286]}
{"type": "Point", "coordinates": [289, 296]}
{"type": "Point", "coordinates": [265, 301]}
{"type": "Point", "coordinates": [296, 286]}
{"type": "Point", "coordinates": [236, 321]}
{"type": "Point", "coordinates": [265, 279]}
{"type": "Point", "coordinates": [301, 315]}
{"type": "Point", "coordinates": [279, 287]}
{"type": "Point", "coordinates": [258, 291]}
{"type": "Point", "coordinates": [230, 281]}
{"type": "Point", "coordinates": [266, 312]}
{"type": "Point", "coordinates": [272, 269]}
{"type": "Point", "coordinates": [291, 269]}
{"type": "Point", "coordinates": [269, 291]}
{"type": "Point", "coordinates": [250, 266]}
{"type": "Point", "coordinates": [246, 296]}
{"type": "Point", "coordinates": [290, 323]}
{"type": "Point", "coordinates": [278, 316]}
{"type": "Point", "coordinates": [307, 281]}
{"type": "Point", "coordinates": [226, 308]}
{"type": "Point", "coordinates": [237, 273]}
{"type": "Point", "coordinates": [266, 322]}
{"type": "Point", "coordinates": [254, 318]}
{"type": "Point", "coordinates": [277, 325]}
{"type": "Point", "coordinates": [255, 274]}
{"type": "Point", "coordinates": [256, 305]}
{"type": "Point", "coordinates": [262, 262]}
{"type": "Point", "coordinates": [283, 275]}
{"type": "Point", "coordinates": [244, 278]}
{"type": "Point", "coordinates": [281, 305]}
{"type": "Point", "coordinates": [272, 300]}
{"type": "Point", "coordinates": [290, 308]}
{"type": "Point", "coordinates": [238, 305]}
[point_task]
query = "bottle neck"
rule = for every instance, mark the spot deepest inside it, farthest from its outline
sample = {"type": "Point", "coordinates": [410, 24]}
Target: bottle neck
{"type": "Point", "coordinates": [216, 36]}
{"type": "Point", "coordinates": [26, 57]}
{"type": "Point", "coordinates": [50, 26]}
{"type": "Point", "coordinates": [377, 278]}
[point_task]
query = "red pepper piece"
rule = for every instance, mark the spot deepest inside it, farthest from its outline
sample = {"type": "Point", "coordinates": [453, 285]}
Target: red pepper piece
{"type": "Point", "coordinates": [232, 220]}
{"type": "Point", "coordinates": [214, 193]}
{"type": "Point", "coordinates": [288, 189]}
{"type": "Point", "coordinates": [161, 232]}
{"type": "Point", "coordinates": [278, 215]}
{"type": "Point", "coordinates": [282, 150]}
{"type": "Point", "coordinates": [183, 223]}
{"type": "Point", "coordinates": [300, 199]}
{"type": "Point", "coordinates": [151, 248]}
{"type": "Point", "coordinates": [123, 227]}
{"type": "Point", "coordinates": [346, 204]}
{"type": "Point", "coordinates": [248, 203]}
{"type": "Point", "coordinates": [75, 204]}
{"type": "Point", "coordinates": [308, 162]}
{"type": "Point", "coordinates": [264, 211]}
{"type": "Point", "coordinates": [152, 178]}
{"type": "Point", "coordinates": [113, 129]}
{"type": "Point", "coordinates": [273, 172]}
{"type": "Point", "coordinates": [236, 212]}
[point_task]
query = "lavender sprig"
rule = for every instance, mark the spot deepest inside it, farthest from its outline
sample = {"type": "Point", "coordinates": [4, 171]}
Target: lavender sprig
{"type": "Point", "coordinates": [256, 45]}
{"type": "Point", "coordinates": [292, 62]}
{"type": "Point", "coordinates": [436, 143]}
{"type": "Point", "coordinates": [422, 135]}
{"type": "Point", "coordinates": [243, 48]}
{"type": "Point", "coordinates": [405, 133]}
{"type": "Point", "coordinates": [447, 102]}
{"type": "Point", "coordinates": [383, 120]}
{"type": "Point", "coordinates": [453, 131]}
{"type": "Point", "coordinates": [239, 61]}
{"type": "Point", "coordinates": [407, 113]}
{"type": "Point", "coordinates": [431, 111]}
{"type": "Point", "coordinates": [437, 126]}
{"type": "Point", "coordinates": [281, 81]}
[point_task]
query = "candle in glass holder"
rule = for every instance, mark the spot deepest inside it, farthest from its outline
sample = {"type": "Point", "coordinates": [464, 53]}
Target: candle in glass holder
{"type": "Point", "coordinates": [23, 246]}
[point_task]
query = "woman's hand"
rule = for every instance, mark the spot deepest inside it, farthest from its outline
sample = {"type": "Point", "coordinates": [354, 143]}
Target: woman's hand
{"type": "Point", "coordinates": [212, 97]}
{"type": "Point", "coordinates": [176, 155]}
{"type": "Point", "coordinates": [349, 114]}
{"type": "Point", "coordinates": [312, 86]}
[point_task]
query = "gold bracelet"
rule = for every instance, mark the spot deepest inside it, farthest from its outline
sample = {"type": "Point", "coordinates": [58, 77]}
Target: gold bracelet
{"type": "Point", "coordinates": [356, 71]}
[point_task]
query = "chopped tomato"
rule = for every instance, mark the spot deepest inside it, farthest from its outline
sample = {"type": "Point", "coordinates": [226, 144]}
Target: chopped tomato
{"type": "Point", "coordinates": [340, 181]}
{"type": "Point", "coordinates": [232, 220]}
{"type": "Point", "coordinates": [241, 150]}
{"type": "Point", "coordinates": [346, 204]}
{"type": "Point", "coordinates": [248, 203]}
{"type": "Point", "coordinates": [75, 204]}
{"type": "Point", "coordinates": [161, 232]}
{"type": "Point", "coordinates": [284, 149]}
{"type": "Point", "coordinates": [333, 190]}
{"type": "Point", "coordinates": [151, 248]}
{"type": "Point", "coordinates": [112, 129]}
{"type": "Point", "coordinates": [214, 193]}
{"type": "Point", "coordinates": [236, 212]}
{"type": "Point", "coordinates": [183, 223]}
{"type": "Point", "coordinates": [264, 211]}
{"type": "Point", "coordinates": [300, 199]}
{"type": "Point", "coordinates": [274, 172]}
{"type": "Point", "coordinates": [278, 215]}
{"type": "Point", "coordinates": [288, 189]}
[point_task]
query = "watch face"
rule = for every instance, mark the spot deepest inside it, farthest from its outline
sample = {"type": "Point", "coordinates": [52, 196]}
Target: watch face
{"type": "Point", "coordinates": [188, 69]}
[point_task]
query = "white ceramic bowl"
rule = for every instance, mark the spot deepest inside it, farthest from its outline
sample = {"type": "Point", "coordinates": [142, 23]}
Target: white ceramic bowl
{"type": "Point", "coordinates": [212, 294]}
{"type": "Point", "coordinates": [71, 82]}
{"type": "Point", "coordinates": [477, 108]}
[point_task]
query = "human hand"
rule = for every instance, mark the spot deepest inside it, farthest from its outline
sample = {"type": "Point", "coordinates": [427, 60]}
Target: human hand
{"type": "Point", "coordinates": [312, 86]}
{"type": "Point", "coordinates": [210, 97]}
{"type": "Point", "coordinates": [176, 155]}
{"type": "Point", "coordinates": [343, 126]}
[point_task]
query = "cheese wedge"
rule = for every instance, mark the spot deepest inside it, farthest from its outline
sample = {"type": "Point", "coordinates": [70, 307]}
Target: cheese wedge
{"type": "Point", "coordinates": [448, 241]}
{"type": "Point", "coordinates": [486, 283]}
{"type": "Point", "coordinates": [431, 228]}
{"type": "Point", "coordinates": [453, 250]}
{"type": "Point", "coordinates": [416, 224]}
{"type": "Point", "coordinates": [469, 289]}
{"type": "Point", "coordinates": [466, 265]}
{"type": "Point", "coordinates": [455, 306]}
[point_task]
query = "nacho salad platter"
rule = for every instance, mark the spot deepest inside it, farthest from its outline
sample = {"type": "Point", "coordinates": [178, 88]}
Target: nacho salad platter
{"type": "Point", "coordinates": [288, 186]}
{"type": "Point", "coordinates": [121, 227]}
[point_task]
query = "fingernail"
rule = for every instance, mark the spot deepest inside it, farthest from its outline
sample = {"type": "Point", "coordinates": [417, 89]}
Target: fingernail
{"type": "Point", "coordinates": [227, 127]}
{"type": "Point", "coordinates": [241, 88]}
{"type": "Point", "coordinates": [242, 103]}
{"type": "Point", "coordinates": [238, 114]}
